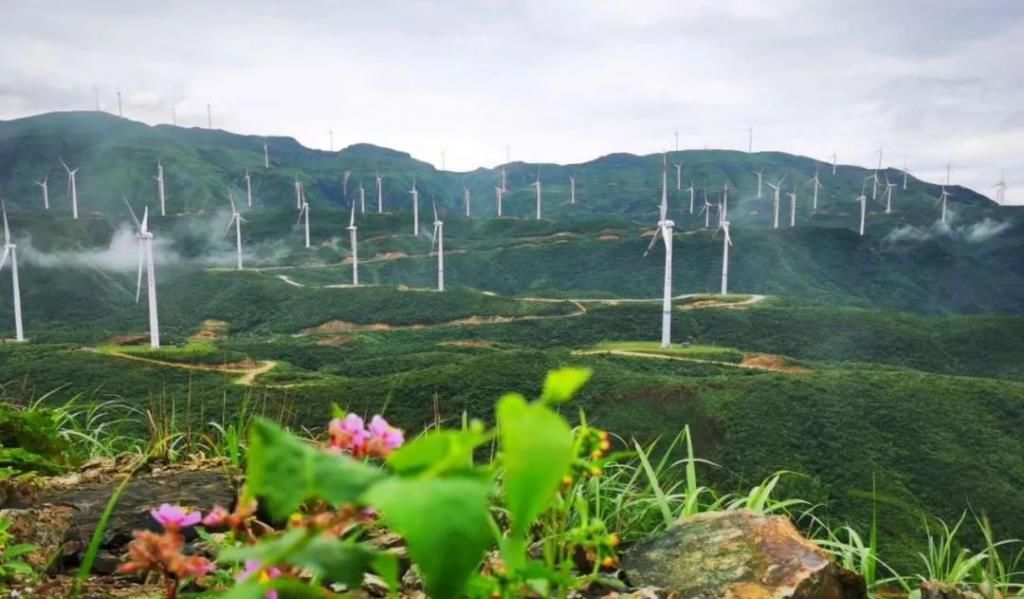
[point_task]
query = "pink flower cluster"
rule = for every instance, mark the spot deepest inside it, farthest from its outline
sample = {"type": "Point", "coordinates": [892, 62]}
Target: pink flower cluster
{"type": "Point", "coordinates": [256, 569]}
{"type": "Point", "coordinates": [173, 517]}
{"type": "Point", "coordinates": [351, 435]}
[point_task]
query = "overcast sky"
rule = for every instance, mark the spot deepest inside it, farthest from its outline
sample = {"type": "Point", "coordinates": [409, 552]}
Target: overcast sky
{"type": "Point", "coordinates": [555, 80]}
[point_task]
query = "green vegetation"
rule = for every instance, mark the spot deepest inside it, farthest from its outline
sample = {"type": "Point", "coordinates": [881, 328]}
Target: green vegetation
{"type": "Point", "coordinates": [694, 352]}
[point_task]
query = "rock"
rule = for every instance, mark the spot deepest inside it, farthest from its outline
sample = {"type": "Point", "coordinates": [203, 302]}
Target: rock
{"type": "Point", "coordinates": [65, 518]}
{"type": "Point", "coordinates": [739, 555]}
{"type": "Point", "coordinates": [937, 590]}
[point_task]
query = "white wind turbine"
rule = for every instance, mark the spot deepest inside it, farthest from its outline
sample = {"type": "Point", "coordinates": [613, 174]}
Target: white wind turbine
{"type": "Point", "coordinates": [816, 183]}
{"type": "Point", "coordinates": [538, 186]}
{"type": "Point", "coordinates": [299, 196]}
{"type": "Point", "coordinates": [354, 245]}
{"type": "Point", "coordinates": [776, 188]}
{"type": "Point", "coordinates": [11, 250]}
{"type": "Point", "coordinates": [759, 173]}
{"type": "Point", "coordinates": [679, 175]}
{"type": "Point", "coordinates": [572, 189]}
{"type": "Point", "coordinates": [344, 184]}
{"type": "Point", "coordinates": [44, 185]}
{"type": "Point", "coordinates": [724, 210]}
{"type": "Point", "coordinates": [665, 231]}
{"type": "Point", "coordinates": [380, 194]}
{"type": "Point", "coordinates": [888, 195]}
{"type": "Point", "coordinates": [692, 191]}
{"type": "Point", "coordinates": [362, 198]}
{"type": "Point", "coordinates": [504, 188]}
{"type": "Point", "coordinates": [1001, 188]}
{"type": "Point", "coordinates": [792, 207]}
{"type": "Point", "coordinates": [904, 172]}
{"type": "Point", "coordinates": [160, 187]}
{"type": "Point", "coordinates": [877, 183]}
{"type": "Point", "coordinates": [266, 156]}
{"type": "Point", "coordinates": [437, 245]}
{"type": "Point", "coordinates": [72, 188]}
{"type": "Point", "coordinates": [726, 243]}
{"type": "Point", "coordinates": [706, 211]}
{"type": "Point", "coordinates": [145, 238]}
{"type": "Point", "coordinates": [248, 189]}
{"type": "Point", "coordinates": [467, 199]}
{"type": "Point", "coordinates": [236, 220]}
{"type": "Point", "coordinates": [834, 156]}
{"type": "Point", "coordinates": [415, 208]}
{"type": "Point", "coordinates": [304, 214]}
{"type": "Point", "coordinates": [499, 192]}
{"type": "Point", "coordinates": [943, 198]}
{"type": "Point", "coordinates": [863, 199]}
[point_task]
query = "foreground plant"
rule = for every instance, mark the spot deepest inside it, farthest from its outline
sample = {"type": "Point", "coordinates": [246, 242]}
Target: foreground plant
{"type": "Point", "coordinates": [163, 553]}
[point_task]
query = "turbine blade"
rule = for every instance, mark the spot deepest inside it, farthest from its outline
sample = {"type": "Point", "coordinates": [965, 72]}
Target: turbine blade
{"type": "Point", "coordinates": [138, 278]}
{"type": "Point", "coordinates": [227, 229]}
{"type": "Point", "coordinates": [435, 210]}
{"type": "Point", "coordinates": [130, 211]}
{"type": "Point", "coordinates": [654, 240]}
{"type": "Point", "coordinates": [7, 230]}
{"type": "Point", "coordinates": [3, 260]}
{"type": "Point", "coordinates": [352, 217]}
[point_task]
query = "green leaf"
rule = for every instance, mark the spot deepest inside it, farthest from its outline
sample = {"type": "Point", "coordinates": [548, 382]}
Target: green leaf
{"type": "Point", "coordinates": [284, 471]}
{"type": "Point", "coordinates": [537, 452]}
{"type": "Point", "coordinates": [445, 522]}
{"type": "Point", "coordinates": [438, 451]}
{"type": "Point", "coordinates": [560, 385]}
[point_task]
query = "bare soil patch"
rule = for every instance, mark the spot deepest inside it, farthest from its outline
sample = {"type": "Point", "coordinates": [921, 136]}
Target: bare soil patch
{"type": "Point", "coordinates": [770, 362]}
{"type": "Point", "coordinates": [334, 341]}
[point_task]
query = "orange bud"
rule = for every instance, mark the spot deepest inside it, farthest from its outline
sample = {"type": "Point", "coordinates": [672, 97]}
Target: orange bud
{"type": "Point", "coordinates": [614, 540]}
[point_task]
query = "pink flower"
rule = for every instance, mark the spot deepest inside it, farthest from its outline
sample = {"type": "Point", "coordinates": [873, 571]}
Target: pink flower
{"type": "Point", "coordinates": [263, 575]}
{"type": "Point", "coordinates": [172, 517]}
{"type": "Point", "coordinates": [216, 517]}
{"type": "Point", "coordinates": [348, 433]}
{"type": "Point", "coordinates": [391, 436]}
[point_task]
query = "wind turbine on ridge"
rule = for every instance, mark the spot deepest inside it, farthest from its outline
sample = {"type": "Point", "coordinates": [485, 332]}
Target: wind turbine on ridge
{"type": "Point", "coordinates": [160, 187]}
{"type": "Point", "coordinates": [299, 195]}
{"type": "Point", "coordinates": [863, 199]}
{"type": "Point", "coordinates": [437, 244]}
{"type": "Point", "coordinates": [943, 198]}
{"type": "Point", "coordinates": [816, 184]}
{"type": "Point", "coordinates": [362, 198]}
{"type": "Point", "coordinates": [266, 156]}
{"type": "Point", "coordinates": [415, 208]}
{"type": "Point", "coordinates": [776, 187]}
{"type": "Point", "coordinates": [538, 185]}
{"type": "Point", "coordinates": [888, 195]}
{"type": "Point", "coordinates": [1001, 188]}
{"type": "Point", "coordinates": [759, 173]}
{"type": "Point", "coordinates": [11, 251]}
{"type": "Point", "coordinates": [792, 207]}
{"type": "Point", "coordinates": [726, 244]}
{"type": "Point", "coordinates": [354, 246]}
{"type": "Point", "coordinates": [467, 199]}
{"type": "Point", "coordinates": [665, 231]}
{"type": "Point", "coordinates": [380, 193]}
{"type": "Point", "coordinates": [692, 191]}
{"type": "Point", "coordinates": [572, 189]}
{"type": "Point", "coordinates": [44, 185]}
{"type": "Point", "coordinates": [146, 262]}
{"type": "Point", "coordinates": [304, 213]}
{"type": "Point", "coordinates": [499, 192]}
{"type": "Point", "coordinates": [904, 172]}
{"type": "Point", "coordinates": [248, 189]}
{"type": "Point", "coordinates": [834, 156]}
{"type": "Point", "coordinates": [706, 210]}
{"type": "Point", "coordinates": [72, 188]}
{"type": "Point", "coordinates": [236, 220]}
{"type": "Point", "coordinates": [679, 175]}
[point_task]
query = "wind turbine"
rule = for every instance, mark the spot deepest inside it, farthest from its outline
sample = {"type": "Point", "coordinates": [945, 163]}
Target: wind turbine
{"type": "Point", "coordinates": [44, 185]}
{"type": "Point", "coordinates": [380, 193]}
{"type": "Point", "coordinates": [875, 181]}
{"type": "Point", "coordinates": [72, 188]}
{"type": "Point", "coordinates": [266, 156]}
{"type": "Point", "coordinates": [572, 189]}
{"type": "Point", "coordinates": [344, 184]}
{"type": "Point", "coordinates": [467, 198]}
{"type": "Point", "coordinates": [792, 207]}
{"type": "Point", "coordinates": [759, 174]}
{"type": "Point", "coordinates": [504, 187]}
{"type": "Point", "coordinates": [834, 156]}
{"type": "Point", "coordinates": [537, 185]}
{"type": "Point", "coordinates": [248, 189]}
{"type": "Point", "coordinates": [776, 187]}
{"type": "Point", "coordinates": [706, 211]}
{"type": "Point", "coordinates": [692, 190]}
{"type": "Point", "coordinates": [236, 220]}
{"type": "Point", "coordinates": [499, 192]}
{"type": "Point", "coordinates": [437, 244]}
{"type": "Point", "coordinates": [304, 212]}
{"type": "Point", "coordinates": [888, 195]}
{"type": "Point", "coordinates": [949, 167]}
{"type": "Point", "coordinates": [11, 250]}
{"type": "Point", "coordinates": [942, 198]}
{"type": "Point", "coordinates": [209, 117]}
{"type": "Point", "coordinates": [415, 208]}
{"type": "Point", "coordinates": [724, 210]}
{"type": "Point", "coordinates": [816, 183]}
{"type": "Point", "coordinates": [726, 243]}
{"type": "Point", "coordinates": [145, 238]}
{"type": "Point", "coordinates": [1001, 188]}
{"type": "Point", "coordinates": [362, 198]}
{"type": "Point", "coordinates": [160, 187]}
{"type": "Point", "coordinates": [679, 175]}
{"type": "Point", "coordinates": [750, 140]}
{"type": "Point", "coordinates": [904, 172]}
{"type": "Point", "coordinates": [355, 247]}
{"type": "Point", "coordinates": [863, 199]}
{"type": "Point", "coordinates": [665, 231]}
{"type": "Point", "coordinates": [298, 192]}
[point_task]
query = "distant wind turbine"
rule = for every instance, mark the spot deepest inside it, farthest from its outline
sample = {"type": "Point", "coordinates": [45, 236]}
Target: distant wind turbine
{"type": "Point", "coordinates": [888, 195]}
{"type": "Point", "coordinates": [834, 156]}
{"type": "Point", "coordinates": [437, 245]}
{"type": "Point", "coordinates": [1001, 188]}
{"type": "Point", "coordinates": [572, 189]}
{"type": "Point", "coordinates": [362, 198]}
{"type": "Point", "coordinates": [726, 243]}
{"type": "Point", "coordinates": [875, 180]}
{"type": "Point", "coordinates": [415, 208]}
{"type": "Point", "coordinates": [776, 187]}
{"type": "Point", "coordinates": [504, 188]}
{"type": "Point", "coordinates": [344, 184]}
{"type": "Point", "coordinates": [679, 175]}
{"type": "Point", "coordinates": [248, 189]}
{"type": "Point", "coordinates": [160, 187]}
{"type": "Point", "coordinates": [706, 211]}
{"type": "Point", "coordinates": [816, 184]}
{"type": "Point", "coordinates": [236, 220]}
{"type": "Point", "coordinates": [304, 213]}
{"type": "Point", "coordinates": [209, 117]}
{"type": "Point", "coordinates": [44, 185]}
{"type": "Point", "coordinates": [792, 207]}
{"type": "Point", "coordinates": [266, 156]}
{"type": "Point", "coordinates": [759, 173]}
{"type": "Point", "coordinates": [498, 193]}
{"type": "Point", "coordinates": [904, 172]}
{"type": "Point", "coordinates": [298, 192]}
{"type": "Point", "coordinates": [750, 140]}
{"type": "Point", "coordinates": [863, 199]}
{"type": "Point", "coordinates": [537, 184]}
{"type": "Point", "coordinates": [467, 199]}
{"type": "Point", "coordinates": [11, 251]}
{"type": "Point", "coordinates": [146, 262]}
{"type": "Point", "coordinates": [724, 210]}
{"type": "Point", "coordinates": [692, 190]}
{"type": "Point", "coordinates": [665, 231]}
{"type": "Point", "coordinates": [943, 198]}
{"type": "Point", "coordinates": [354, 245]}
{"type": "Point", "coordinates": [380, 194]}
{"type": "Point", "coordinates": [72, 189]}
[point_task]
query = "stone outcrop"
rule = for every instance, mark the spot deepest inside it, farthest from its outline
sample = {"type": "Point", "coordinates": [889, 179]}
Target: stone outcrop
{"type": "Point", "coordinates": [738, 555]}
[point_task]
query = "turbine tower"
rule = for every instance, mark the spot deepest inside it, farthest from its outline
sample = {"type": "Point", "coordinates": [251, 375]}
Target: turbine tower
{"type": "Point", "coordinates": [236, 220]}
{"type": "Point", "coordinates": [724, 210]}
{"type": "Point", "coordinates": [834, 156]}
{"type": "Point", "coordinates": [572, 189]}
{"type": "Point", "coordinates": [863, 199]}
{"type": "Point", "coordinates": [792, 207]}
{"type": "Point", "coordinates": [679, 175]}
{"type": "Point", "coordinates": [537, 185]}
{"type": "Point", "coordinates": [299, 196]}
{"type": "Point", "coordinates": [875, 180]}
{"type": "Point", "coordinates": [759, 174]}
{"type": "Point", "coordinates": [467, 199]}
{"type": "Point", "coordinates": [706, 211]}
{"type": "Point", "coordinates": [665, 231]}
{"type": "Point", "coordinates": [248, 189]}
{"type": "Point", "coordinates": [160, 187]}
{"type": "Point", "coordinates": [499, 193]}
{"type": "Point", "coordinates": [146, 260]}
{"type": "Point", "coordinates": [415, 208]}
{"type": "Point", "coordinates": [888, 195]}
{"type": "Point", "coordinates": [776, 187]}
{"type": "Point", "coordinates": [44, 185]}
{"type": "Point", "coordinates": [72, 188]}
{"type": "Point", "coordinates": [816, 183]}
{"type": "Point", "coordinates": [942, 198]}
{"type": "Point", "coordinates": [726, 243]}
{"type": "Point", "coordinates": [437, 244]}
{"type": "Point", "coordinates": [304, 213]}
{"type": "Point", "coordinates": [1001, 188]}
{"type": "Point", "coordinates": [355, 247]}
{"type": "Point", "coordinates": [11, 250]}
{"type": "Point", "coordinates": [904, 172]}
{"type": "Point", "coordinates": [344, 184]}
{"type": "Point", "coordinates": [692, 190]}
{"type": "Point", "coordinates": [380, 193]}
{"type": "Point", "coordinates": [362, 198]}
{"type": "Point", "coordinates": [266, 156]}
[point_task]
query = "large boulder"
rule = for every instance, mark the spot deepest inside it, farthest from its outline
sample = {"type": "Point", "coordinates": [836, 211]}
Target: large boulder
{"type": "Point", "coordinates": [739, 555]}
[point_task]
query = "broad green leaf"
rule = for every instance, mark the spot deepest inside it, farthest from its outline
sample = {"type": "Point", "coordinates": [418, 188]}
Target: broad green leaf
{"type": "Point", "coordinates": [560, 385]}
{"type": "Point", "coordinates": [536, 452]}
{"type": "Point", "coordinates": [438, 451]}
{"type": "Point", "coordinates": [445, 522]}
{"type": "Point", "coordinates": [284, 471]}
